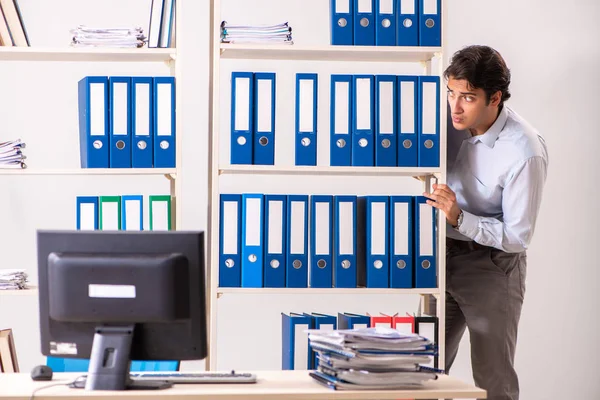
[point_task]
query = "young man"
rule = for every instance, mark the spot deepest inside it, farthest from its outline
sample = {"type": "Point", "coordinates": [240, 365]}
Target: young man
{"type": "Point", "coordinates": [497, 167]}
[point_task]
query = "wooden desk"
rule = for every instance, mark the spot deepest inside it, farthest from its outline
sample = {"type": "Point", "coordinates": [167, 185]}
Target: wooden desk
{"type": "Point", "coordinates": [271, 385]}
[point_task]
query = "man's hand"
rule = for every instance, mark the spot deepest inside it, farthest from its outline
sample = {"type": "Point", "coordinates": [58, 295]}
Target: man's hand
{"type": "Point", "coordinates": [444, 199]}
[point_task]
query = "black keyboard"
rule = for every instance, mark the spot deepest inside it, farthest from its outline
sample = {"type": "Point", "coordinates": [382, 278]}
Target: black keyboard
{"type": "Point", "coordinates": [195, 377]}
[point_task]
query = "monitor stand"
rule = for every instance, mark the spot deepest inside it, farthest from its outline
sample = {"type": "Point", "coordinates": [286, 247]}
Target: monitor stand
{"type": "Point", "coordinates": [110, 363]}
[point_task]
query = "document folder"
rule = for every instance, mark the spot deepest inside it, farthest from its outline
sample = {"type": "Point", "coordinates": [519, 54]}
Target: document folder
{"type": "Point", "coordinates": [230, 221]}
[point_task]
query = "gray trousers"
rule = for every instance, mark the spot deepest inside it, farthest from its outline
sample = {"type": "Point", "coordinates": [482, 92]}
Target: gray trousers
{"type": "Point", "coordinates": [485, 288]}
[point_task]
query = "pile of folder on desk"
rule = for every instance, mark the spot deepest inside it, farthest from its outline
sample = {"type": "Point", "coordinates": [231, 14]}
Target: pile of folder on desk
{"type": "Point", "coordinates": [13, 279]}
{"type": "Point", "coordinates": [371, 358]}
{"type": "Point", "coordinates": [274, 34]}
{"type": "Point", "coordinates": [11, 154]}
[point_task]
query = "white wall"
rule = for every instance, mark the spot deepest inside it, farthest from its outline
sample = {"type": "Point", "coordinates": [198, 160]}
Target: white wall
{"type": "Point", "coordinates": [554, 57]}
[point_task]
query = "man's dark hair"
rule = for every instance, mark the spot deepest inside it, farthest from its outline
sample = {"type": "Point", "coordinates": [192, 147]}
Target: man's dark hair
{"type": "Point", "coordinates": [483, 68]}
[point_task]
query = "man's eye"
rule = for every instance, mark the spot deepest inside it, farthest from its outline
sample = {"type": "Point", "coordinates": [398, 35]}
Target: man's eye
{"type": "Point", "coordinates": [469, 99]}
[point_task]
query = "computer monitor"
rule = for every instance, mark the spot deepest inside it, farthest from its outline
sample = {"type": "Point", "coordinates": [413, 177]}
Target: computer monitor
{"type": "Point", "coordinates": [117, 296]}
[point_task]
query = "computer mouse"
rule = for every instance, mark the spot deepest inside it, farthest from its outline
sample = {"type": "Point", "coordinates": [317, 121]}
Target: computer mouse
{"type": "Point", "coordinates": [41, 373]}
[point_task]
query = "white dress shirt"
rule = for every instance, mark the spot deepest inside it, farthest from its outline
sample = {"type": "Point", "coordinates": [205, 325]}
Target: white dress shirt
{"type": "Point", "coordinates": [498, 178]}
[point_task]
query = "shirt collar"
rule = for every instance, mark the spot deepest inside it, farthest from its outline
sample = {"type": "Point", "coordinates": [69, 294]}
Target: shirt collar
{"type": "Point", "coordinates": [491, 135]}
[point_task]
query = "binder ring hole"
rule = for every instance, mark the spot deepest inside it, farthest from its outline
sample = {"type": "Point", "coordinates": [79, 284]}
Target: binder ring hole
{"type": "Point", "coordinates": [364, 22]}
{"type": "Point", "coordinates": [401, 264]}
{"type": "Point", "coordinates": [429, 23]}
{"type": "Point", "coordinates": [386, 23]}
{"type": "Point", "coordinates": [164, 145]}
{"type": "Point", "coordinates": [342, 22]}
{"type": "Point", "coordinates": [142, 145]}
{"type": "Point", "coordinates": [407, 22]}
{"type": "Point", "coordinates": [305, 141]}
{"type": "Point", "coordinates": [407, 144]}
{"type": "Point", "coordinates": [363, 142]}
{"type": "Point", "coordinates": [385, 143]}
{"type": "Point", "coordinates": [252, 258]}
{"type": "Point", "coordinates": [321, 264]}
{"type": "Point", "coordinates": [297, 264]}
{"type": "Point", "coordinates": [274, 264]}
{"type": "Point", "coordinates": [229, 263]}
{"type": "Point", "coordinates": [378, 264]}
{"type": "Point", "coordinates": [97, 144]}
{"type": "Point", "coordinates": [241, 140]}
{"type": "Point", "coordinates": [120, 144]}
{"type": "Point", "coordinates": [345, 264]}
{"type": "Point", "coordinates": [428, 143]}
{"type": "Point", "coordinates": [426, 264]}
{"type": "Point", "coordinates": [263, 141]}
{"type": "Point", "coordinates": [341, 143]}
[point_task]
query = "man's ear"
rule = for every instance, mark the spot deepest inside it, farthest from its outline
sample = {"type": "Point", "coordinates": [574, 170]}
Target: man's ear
{"type": "Point", "coordinates": [495, 98]}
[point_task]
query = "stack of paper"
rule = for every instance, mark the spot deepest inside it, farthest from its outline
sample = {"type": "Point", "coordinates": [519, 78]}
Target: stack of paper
{"type": "Point", "coordinates": [371, 358]}
{"type": "Point", "coordinates": [11, 154]}
{"type": "Point", "coordinates": [274, 34]}
{"type": "Point", "coordinates": [84, 36]}
{"type": "Point", "coordinates": [12, 279]}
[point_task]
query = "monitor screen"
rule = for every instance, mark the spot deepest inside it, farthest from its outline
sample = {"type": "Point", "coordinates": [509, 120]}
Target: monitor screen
{"type": "Point", "coordinates": [117, 296]}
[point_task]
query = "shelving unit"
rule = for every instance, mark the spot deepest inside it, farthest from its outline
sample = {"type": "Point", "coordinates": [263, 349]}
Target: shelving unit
{"type": "Point", "coordinates": [432, 62]}
{"type": "Point", "coordinates": [165, 56]}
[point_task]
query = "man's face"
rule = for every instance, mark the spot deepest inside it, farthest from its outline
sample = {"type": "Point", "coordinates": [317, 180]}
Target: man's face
{"type": "Point", "coordinates": [468, 105]}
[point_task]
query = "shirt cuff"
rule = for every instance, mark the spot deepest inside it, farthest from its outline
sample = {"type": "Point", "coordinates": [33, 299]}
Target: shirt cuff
{"type": "Point", "coordinates": [470, 225]}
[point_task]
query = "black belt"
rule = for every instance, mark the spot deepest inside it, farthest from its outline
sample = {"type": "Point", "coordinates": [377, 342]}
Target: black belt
{"type": "Point", "coordinates": [465, 244]}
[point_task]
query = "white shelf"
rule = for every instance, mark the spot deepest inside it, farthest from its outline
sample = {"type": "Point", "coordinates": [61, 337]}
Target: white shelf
{"type": "Point", "coordinates": [328, 53]}
{"type": "Point", "coordinates": [91, 171]}
{"type": "Point", "coordinates": [334, 291]}
{"type": "Point", "coordinates": [31, 291]}
{"type": "Point", "coordinates": [318, 170]}
{"type": "Point", "coordinates": [85, 54]}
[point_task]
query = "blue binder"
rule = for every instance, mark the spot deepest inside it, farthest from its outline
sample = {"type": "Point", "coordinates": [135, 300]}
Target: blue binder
{"type": "Point", "coordinates": [230, 225]}
{"type": "Point", "coordinates": [164, 122]}
{"type": "Point", "coordinates": [294, 338]}
{"type": "Point", "coordinates": [120, 121]}
{"type": "Point", "coordinates": [425, 244]}
{"type": "Point", "coordinates": [408, 121]}
{"type": "Point", "coordinates": [407, 33]}
{"type": "Point", "coordinates": [342, 22]}
{"type": "Point", "coordinates": [306, 119]}
{"type": "Point", "coordinates": [132, 214]}
{"type": "Point", "coordinates": [344, 242]}
{"type": "Point", "coordinates": [142, 125]}
{"type": "Point", "coordinates": [364, 22]}
{"type": "Point", "coordinates": [363, 125]}
{"type": "Point", "coordinates": [297, 246]}
{"type": "Point", "coordinates": [87, 213]}
{"type": "Point", "coordinates": [340, 120]}
{"type": "Point", "coordinates": [93, 107]}
{"type": "Point", "coordinates": [242, 93]}
{"type": "Point", "coordinates": [321, 241]}
{"type": "Point", "coordinates": [377, 258]}
{"type": "Point", "coordinates": [322, 322]}
{"type": "Point", "coordinates": [275, 227]}
{"type": "Point", "coordinates": [252, 240]}
{"type": "Point", "coordinates": [264, 118]}
{"type": "Point", "coordinates": [430, 23]}
{"type": "Point", "coordinates": [385, 31]}
{"type": "Point", "coordinates": [429, 112]}
{"type": "Point", "coordinates": [353, 321]}
{"type": "Point", "coordinates": [386, 125]}
{"type": "Point", "coordinates": [401, 242]}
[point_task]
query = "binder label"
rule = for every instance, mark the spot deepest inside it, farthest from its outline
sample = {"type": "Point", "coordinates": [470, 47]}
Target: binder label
{"type": "Point", "coordinates": [275, 245]}
{"type": "Point", "coordinates": [297, 225]}
{"type": "Point", "coordinates": [407, 6]}
{"type": "Point", "coordinates": [164, 109]}
{"type": "Point", "coordinates": [430, 7]}
{"type": "Point", "coordinates": [378, 228]}
{"type": "Point", "coordinates": [386, 6]}
{"type": "Point", "coordinates": [242, 104]}
{"type": "Point", "coordinates": [142, 109]}
{"type": "Point", "coordinates": [346, 228]}
{"type": "Point", "coordinates": [264, 105]}
{"type": "Point", "coordinates": [342, 6]}
{"type": "Point", "coordinates": [407, 102]}
{"type": "Point", "coordinates": [426, 230]}
{"type": "Point", "coordinates": [365, 6]}
{"type": "Point", "coordinates": [386, 108]}
{"type": "Point", "coordinates": [230, 227]}
{"type": "Point", "coordinates": [97, 109]}
{"type": "Point", "coordinates": [253, 221]}
{"type": "Point", "coordinates": [342, 95]}
{"type": "Point", "coordinates": [120, 109]}
{"type": "Point", "coordinates": [306, 116]}
{"type": "Point", "coordinates": [401, 229]}
{"type": "Point", "coordinates": [321, 231]}
{"type": "Point", "coordinates": [363, 109]}
{"type": "Point", "coordinates": [429, 108]}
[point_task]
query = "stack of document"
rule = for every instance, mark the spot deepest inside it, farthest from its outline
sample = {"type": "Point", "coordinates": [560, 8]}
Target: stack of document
{"type": "Point", "coordinates": [84, 36]}
{"type": "Point", "coordinates": [274, 34]}
{"type": "Point", "coordinates": [372, 358]}
{"type": "Point", "coordinates": [11, 154]}
{"type": "Point", "coordinates": [13, 279]}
